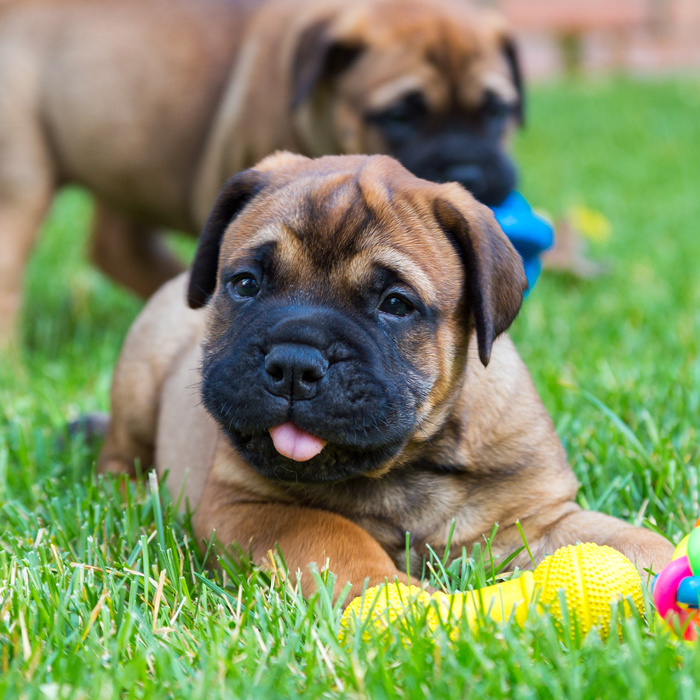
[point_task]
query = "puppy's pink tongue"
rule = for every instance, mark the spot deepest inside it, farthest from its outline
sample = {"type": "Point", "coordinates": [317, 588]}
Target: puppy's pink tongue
{"type": "Point", "coordinates": [295, 443]}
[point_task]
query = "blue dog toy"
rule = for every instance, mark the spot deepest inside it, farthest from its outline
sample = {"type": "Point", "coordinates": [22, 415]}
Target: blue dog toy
{"type": "Point", "coordinates": [530, 234]}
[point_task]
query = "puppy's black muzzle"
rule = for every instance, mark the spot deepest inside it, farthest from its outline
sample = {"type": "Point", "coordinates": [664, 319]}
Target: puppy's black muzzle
{"type": "Point", "coordinates": [328, 372]}
{"type": "Point", "coordinates": [478, 164]}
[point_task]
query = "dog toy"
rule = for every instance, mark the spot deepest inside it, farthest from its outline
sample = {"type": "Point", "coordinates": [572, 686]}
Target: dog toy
{"type": "Point", "coordinates": [591, 577]}
{"type": "Point", "coordinates": [529, 233]}
{"type": "Point", "coordinates": [676, 590]}
{"type": "Point", "coordinates": [384, 606]}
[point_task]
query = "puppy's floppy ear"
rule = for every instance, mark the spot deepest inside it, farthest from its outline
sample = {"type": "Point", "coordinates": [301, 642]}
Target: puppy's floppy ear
{"type": "Point", "coordinates": [319, 57]}
{"type": "Point", "coordinates": [235, 194]}
{"type": "Point", "coordinates": [495, 278]}
{"type": "Point", "coordinates": [510, 51]}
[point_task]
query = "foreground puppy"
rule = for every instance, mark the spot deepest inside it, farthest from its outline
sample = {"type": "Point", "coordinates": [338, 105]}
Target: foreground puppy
{"type": "Point", "coordinates": [153, 104]}
{"type": "Point", "coordinates": [353, 383]}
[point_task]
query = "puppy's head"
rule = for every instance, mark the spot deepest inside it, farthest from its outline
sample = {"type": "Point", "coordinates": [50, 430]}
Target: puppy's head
{"type": "Point", "coordinates": [435, 83]}
{"type": "Point", "coordinates": [341, 294]}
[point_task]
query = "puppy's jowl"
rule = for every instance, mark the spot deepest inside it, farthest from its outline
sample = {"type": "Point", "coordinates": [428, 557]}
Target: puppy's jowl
{"type": "Point", "coordinates": [345, 322]}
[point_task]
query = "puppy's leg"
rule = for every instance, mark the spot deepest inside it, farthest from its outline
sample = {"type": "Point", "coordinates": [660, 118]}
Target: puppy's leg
{"type": "Point", "coordinates": [569, 524]}
{"type": "Point", "coordinates": [164, 327]}
{"type": "Point", "coordinates": [130, 438]}
{"type": "Point", "coordinates": [26, 187]}
{"type": "Point", "coordinates": [19, 224]}
{"type": "Point", "coordinates": [132, 254]}
{"type": "Point", "coordinates": [304, 535]}
{"type": "Point", "coordinates": [131, 433]}
{"type": "Point", "coordinates": [645, 548]}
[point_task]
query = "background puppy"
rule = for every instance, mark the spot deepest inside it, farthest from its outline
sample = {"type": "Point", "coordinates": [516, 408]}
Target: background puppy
{"type": "Point", "coordinates": [352, 385]}
{"type": "Point", "coordinates": [153, 104]}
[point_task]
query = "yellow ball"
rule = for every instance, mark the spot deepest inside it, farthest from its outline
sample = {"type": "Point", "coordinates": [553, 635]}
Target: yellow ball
{"type": "Point", "coordinates": [385, 605]}
{"type": "Point", "coordinates": [592, 577]}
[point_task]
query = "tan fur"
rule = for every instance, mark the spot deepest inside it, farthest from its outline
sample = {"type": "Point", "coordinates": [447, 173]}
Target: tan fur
{"type": "Point", "coordinates": [486, 425]}
{"type": "Point", "coordinates": [152, 104]}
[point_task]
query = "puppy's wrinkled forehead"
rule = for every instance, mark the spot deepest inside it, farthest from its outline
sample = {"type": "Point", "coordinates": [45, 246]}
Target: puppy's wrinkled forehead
{"type": "Point", "coordinates": [331, 223]}
{"type": "Point", "coordinates": [342, 227]}
{"type": "Point", "coordinates": [447, 50]}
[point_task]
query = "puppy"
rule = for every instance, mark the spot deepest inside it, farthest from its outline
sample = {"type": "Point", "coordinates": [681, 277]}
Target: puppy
{"type": "Point", "coordinates": [153, 104]}
{"type": "Point", "coordinates": [342, 377]}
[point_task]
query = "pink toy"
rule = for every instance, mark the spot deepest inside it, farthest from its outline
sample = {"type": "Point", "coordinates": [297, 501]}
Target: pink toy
{"type": "Point", "coordinates": [676, 590]}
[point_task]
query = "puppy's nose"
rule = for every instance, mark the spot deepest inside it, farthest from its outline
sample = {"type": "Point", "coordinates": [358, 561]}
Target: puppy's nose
{"type": "Point", "coordinates": [469, 175]}
{"type": "Point", "coordinates": [293, 371]}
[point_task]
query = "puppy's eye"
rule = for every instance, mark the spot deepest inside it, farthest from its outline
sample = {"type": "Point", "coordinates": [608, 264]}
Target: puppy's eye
{"type": "Point", "coordinates": [396, 306]}
{"type": "Point", "coordinates": [403, 112]}
{"type": "Point", "coordinates": [245, 286]}
{"type": "Point", "coordinates": [494, 107]}
{"type": "Point", "coordinates": [409, 110]}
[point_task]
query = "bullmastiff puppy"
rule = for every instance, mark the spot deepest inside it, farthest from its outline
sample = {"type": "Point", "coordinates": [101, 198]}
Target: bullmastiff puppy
{"type": "Point", "coordinates": [334, 373]}
{"type": "Point", "coordinates": [153, 104]}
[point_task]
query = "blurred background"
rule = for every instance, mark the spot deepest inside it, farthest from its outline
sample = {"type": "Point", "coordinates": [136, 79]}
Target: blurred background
{"type": "Point", "coordinates": [594, 36]}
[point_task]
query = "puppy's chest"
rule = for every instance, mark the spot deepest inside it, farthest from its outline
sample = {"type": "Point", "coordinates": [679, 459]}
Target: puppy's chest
{"type": "Point", "coordinates": [422, 504]}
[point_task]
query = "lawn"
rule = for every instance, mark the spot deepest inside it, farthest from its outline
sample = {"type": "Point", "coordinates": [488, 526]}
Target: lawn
{"type": "Point", "coordinates": [105, 595]}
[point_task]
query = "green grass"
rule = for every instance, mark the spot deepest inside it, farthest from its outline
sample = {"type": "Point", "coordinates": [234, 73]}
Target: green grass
{"type": "Point", "coordinates": [616, 361]}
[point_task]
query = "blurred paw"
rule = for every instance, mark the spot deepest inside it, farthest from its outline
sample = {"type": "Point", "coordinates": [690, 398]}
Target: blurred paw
{"type": "Point", "coordinates": [91, 427]}
{"type": "Point", "coordinates": [569, 254]}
